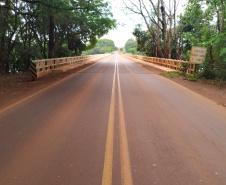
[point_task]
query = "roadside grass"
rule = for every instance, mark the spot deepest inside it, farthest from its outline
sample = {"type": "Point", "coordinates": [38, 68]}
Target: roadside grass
{"type": "Point", "coordinates": [193, 78]}
{"type": "Point", "coordinates": [171, 74]}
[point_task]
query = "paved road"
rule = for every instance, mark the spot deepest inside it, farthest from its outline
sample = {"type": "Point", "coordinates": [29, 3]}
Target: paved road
{"type": "Point", "coordinates": [113, 123]}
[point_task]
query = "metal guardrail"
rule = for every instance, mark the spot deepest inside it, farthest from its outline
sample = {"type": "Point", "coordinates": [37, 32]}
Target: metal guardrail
{"type": "Point", "coordinates": [44, 66]}
{"type": "Point", "coordinates": [169, 63]}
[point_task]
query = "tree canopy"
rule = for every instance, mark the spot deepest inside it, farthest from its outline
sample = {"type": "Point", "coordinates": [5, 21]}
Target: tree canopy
{"type": "Point", "coordinates": [203, 24]}
{"type": "Point", "coordinates": [34, 29]}
{"type": "Point", "coordinates": [130, 45]}
{"type": "Point", "coordinates": [102, 46]}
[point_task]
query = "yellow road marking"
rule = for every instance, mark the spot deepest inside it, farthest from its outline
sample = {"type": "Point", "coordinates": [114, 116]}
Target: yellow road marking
{"type": "Point", "coordinates": [108, 161]}
{"type": "Point", "coordinates": [126, 174]}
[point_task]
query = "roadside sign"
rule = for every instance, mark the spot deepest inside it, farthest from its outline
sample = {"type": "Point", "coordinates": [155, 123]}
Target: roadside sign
{"type": "Point", "coordinates": [198, 55]}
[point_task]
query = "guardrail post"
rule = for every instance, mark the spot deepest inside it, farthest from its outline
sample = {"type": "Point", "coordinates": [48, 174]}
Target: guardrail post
{"type": "Point", "coordinates": [34, 71]}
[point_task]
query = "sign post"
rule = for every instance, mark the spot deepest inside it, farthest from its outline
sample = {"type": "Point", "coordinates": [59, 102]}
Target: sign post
{"type": "Point", "coordinates": [198, 56]}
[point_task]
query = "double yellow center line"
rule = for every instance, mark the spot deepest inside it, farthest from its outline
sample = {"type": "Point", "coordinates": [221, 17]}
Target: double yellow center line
{"type": "Point", "coordinates": [126, 175]}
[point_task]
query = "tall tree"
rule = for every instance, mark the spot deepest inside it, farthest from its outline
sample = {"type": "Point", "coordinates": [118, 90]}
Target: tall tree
{"type": "Point", "coordinates": [204, 26]}
{"type": "Point", "coordinates": [30, 29]}
{"type": "Point", "coordinates": [156, 18]}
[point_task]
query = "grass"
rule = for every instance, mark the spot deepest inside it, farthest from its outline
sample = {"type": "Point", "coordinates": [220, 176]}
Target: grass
{"type": "Point", "coordinates": [193, 78]}
{"type": "Point", "coordinates": [171, 74]}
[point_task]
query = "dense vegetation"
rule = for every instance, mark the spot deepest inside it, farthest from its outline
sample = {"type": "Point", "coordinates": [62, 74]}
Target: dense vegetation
{"type": "Point", "coordinates": [131, 47]}
{"type": "Point", "coordinates": [202, 24]}
{"type": "Point", "coordinates": [34, 29]}
{"type": "Point", "coordinates": [102, 46]}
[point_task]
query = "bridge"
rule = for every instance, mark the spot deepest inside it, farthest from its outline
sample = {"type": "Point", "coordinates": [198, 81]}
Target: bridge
{"type": "Point", "coordinates": [112, 123]}
{"type": "Point", "coordinates": [43, 67]}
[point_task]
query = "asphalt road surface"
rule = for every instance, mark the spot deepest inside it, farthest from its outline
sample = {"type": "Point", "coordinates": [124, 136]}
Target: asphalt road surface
{"type": "Point", "coordinates": [113, 123]}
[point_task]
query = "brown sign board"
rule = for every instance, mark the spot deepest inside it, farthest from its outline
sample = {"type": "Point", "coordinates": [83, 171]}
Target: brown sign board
{"type": "Point", "coordinates": [198, 55]}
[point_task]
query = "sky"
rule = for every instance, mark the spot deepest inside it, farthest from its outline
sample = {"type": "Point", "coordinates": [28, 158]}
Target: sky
{"type": "Point", "coordinates": [127, 22]}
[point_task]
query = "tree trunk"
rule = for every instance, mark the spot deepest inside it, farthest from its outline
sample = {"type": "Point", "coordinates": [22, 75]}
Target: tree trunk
{"type": "Point", "coordinates": [2, 54]}
{"type": "Point", "coordinates": [164, 28]}
{"type": "Point", "coordinates": [175, 31]}
{"type": "Point", "coordinates": [218, 21]}
{"type": "Point", "coordinates": [51, 36]}
{"type": "Point", "coordinates": [211, 57]}
{"type": "Point", "coordinates": [170, 37]}
{"type": "Point", "coordinates": [158, 48]}
{"type": "Point", "coordinates": [29, 47]}
{"type": "Point", "coordinates": [156, 40]}
{"type": "Point", "coordinates": [223, 18]}
{"type": "Point", "coordinates": [3, 61]}
{"type": "Point", "coordinates": [181, 36]}
{"type": "Point", "coordinates": [44, 50]}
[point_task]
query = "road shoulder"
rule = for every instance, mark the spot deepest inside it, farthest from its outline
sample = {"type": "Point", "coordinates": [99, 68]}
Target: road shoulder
{"type": "Point", "coordinates": [14, 88]}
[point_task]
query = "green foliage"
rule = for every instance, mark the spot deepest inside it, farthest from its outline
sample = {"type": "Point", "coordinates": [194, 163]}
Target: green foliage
{"type": "Point", "coordinates": [131, 50]}
{"type": "Point", "coordinates": [102, 46]}
{"type": "Point", "coordinates": [204, 25]}
{"type": "Point", "coordinates": [184, 68]}
{"type": "Point", "coordinates": [171, 74]}
{"type": "Point", "coordinates": [145, 43]}
{"type": "Point", "coordinates": [61, 26]}
{"type": "Point", "coordinates": [62, 51]}
{"type": "Point", "coordinates": [20, 58]}
{"type": "Point", "coordinates": [131, 47]}
{"type": "Point", "coordinates": [189, 77]}
{"type": "Point", "coordinates": [192, 77]}
{"type": "Point", "coordinates": [130, 44]}
{"type": "Point", "coordinates": [219, 41]}
{"type": "Point", "coordinates": [107, 44]}
{"type": "Point", "coordinates": [186, 55]}
{"type": "Point", "coordinates": [222, 75]}
{"type": "Point", "coordinates": [208, 74]}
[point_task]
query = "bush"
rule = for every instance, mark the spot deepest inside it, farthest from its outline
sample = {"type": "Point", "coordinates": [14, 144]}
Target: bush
{"type": "Point", "coordinates": [221, 75]}
{"type": "Point", "coordinates": [186, 56]}
{"type": "Point", "coordinates": [131, 50]}
{"type": "Point", "coordinates": [62, 51]}
{"type": "Point", "coordinates": [207, 72]}
{"type": "Point", "coordinates": [193, 77]}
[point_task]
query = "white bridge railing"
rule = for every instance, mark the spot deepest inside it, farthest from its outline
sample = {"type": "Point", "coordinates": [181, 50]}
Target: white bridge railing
{"type": "Point", "coordinates": [169, 63]}
{"type": "Point", "coordinates": [44, 66]}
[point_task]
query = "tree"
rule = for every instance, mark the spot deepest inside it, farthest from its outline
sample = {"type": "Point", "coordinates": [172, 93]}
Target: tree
{"type": "Point", "coordinates": [130, 44]}
{"type": "Point", "coordinates": [46, 27]}
{"type": "Point", "coordinates": [102, 46]}
{"type": "Point", "coordinates": [145, 43]}
{"type": "Point", "coordinates": [156, 18]}
{"type": "Point", "coordinates": [201, 29]}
